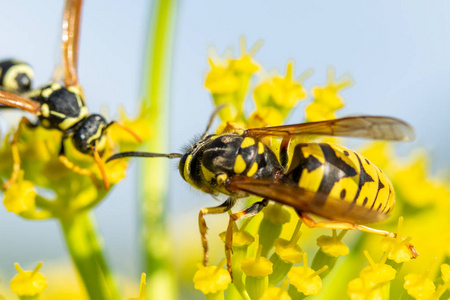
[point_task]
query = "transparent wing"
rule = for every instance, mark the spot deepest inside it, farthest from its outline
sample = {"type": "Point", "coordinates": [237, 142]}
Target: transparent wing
{"type": "Point", "coordinates": [70, 37]}
{"type": "Point", "coordinates": [370, 127]}
{"type": "Point", "coordinates": [15, 101]}
{"type": "Point", "coordinates": [306, 201]}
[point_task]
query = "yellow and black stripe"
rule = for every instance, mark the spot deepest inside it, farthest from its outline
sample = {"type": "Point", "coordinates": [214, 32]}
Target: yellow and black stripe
{"type": "Point", "coordinates": [334, 171]}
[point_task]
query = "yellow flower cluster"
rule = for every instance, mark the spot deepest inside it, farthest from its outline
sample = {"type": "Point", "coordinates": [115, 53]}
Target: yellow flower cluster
{"type": "Point", "coordinates": [36, 153]}
{"type": "Point", "coordinates": [373, 280]}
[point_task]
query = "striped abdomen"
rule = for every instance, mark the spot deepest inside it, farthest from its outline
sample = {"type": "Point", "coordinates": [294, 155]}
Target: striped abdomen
{"type": "Point", "coordinates": [342, 174]}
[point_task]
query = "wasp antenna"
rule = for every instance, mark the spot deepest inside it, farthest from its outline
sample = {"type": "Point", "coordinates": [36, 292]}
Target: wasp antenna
{"type": "Point", "coordinates": [70, 37]}
{"type": "Point", "coordinates": [99, 162]}
{"type": "Point", "coordinates": [136, 136]}
{"type": "Point", "coordinates": [143, 154]}
{"type": "Point", "coordinates": [211, 118]}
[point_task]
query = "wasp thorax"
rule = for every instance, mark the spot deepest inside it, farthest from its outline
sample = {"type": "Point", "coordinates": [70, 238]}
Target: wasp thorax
{"type": "Point", "coordinates": [61, 108]}
{"type": "Point", "coordinates": [89, 133]}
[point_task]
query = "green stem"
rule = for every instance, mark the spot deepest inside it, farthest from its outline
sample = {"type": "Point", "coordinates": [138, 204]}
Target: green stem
{"type": "Point", "coordinates": [84, 247]}
{"type": "Point", "coordinates": [154, 172]}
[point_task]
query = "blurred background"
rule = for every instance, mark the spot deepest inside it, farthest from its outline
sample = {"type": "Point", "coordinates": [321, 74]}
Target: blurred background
{"type": "Point", "coordinates": [396, 52]}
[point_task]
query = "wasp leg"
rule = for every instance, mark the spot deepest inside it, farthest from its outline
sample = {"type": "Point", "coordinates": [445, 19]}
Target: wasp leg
{"type": "Point", "coordinates": [70, 37]}
{"type": "Point", "coordinates": [75, 168]}
{"type": "Point", "coordinates": [15, 154]}
{"type": "Point", "coordinates": [245, 213]}
{"type": "Point", "coordinates": [229, 203]}
{"type": "Point", "coordinates": [342, 225]}
{"type": "Point", "coordinates": [101, 167]}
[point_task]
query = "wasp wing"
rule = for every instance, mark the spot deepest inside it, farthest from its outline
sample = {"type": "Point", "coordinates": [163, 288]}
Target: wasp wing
{"type": "Point", "coordinates": [70, 37]}
{"type": "Point", "coordinates": [16, 101]}
{"type": "Point", "coordinates": [304, 200]}
{"type": "Point", "coordinates": [371, 127]}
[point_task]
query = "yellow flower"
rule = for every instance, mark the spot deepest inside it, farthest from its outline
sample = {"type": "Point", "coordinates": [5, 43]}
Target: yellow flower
{"type": "Point", "coordinates": [279, 93]}
{"type": "Point", "coordinates": [377, 274]}
{"type": "Point", "coordinates": [357, 291]}
{"type": "Point", "coordinates": [277, 214]}
{"type": "Point", "coordinates": [28, 283]}
{"type": "Point", "coordinates": [265, 116]}
{"type": "Point", "coordinates": [241, 238]}
{"type": "Point", "coordinates": [228, 81]}
{"type": "Point", "coordinates": [129, 130]}
{"type": "Point", "coordinates": [288, 251]}
{"type": "Point", "coordinates": [418, 286]}
{"type": "Point", "coordinates": [257, 266]}
{"type": "Point", "coordinates": [399, 249]}
{"type": "Point", "coordinates": [416, 186]}
{"type": "Point", "coordinates": [372, 280]}
{"type": "Point", "coordinates": [326, 99]}
{"type": "Point", "coordinates": [305, 279]}
{"type": "Point", "coordinates": [276, 293]}
{"type": "Point", "coordinates": [20, 196]}
{"type": "Point", "coordinates": [212, 279]}
{"type": "Point", "coordinates": [332, 245]}
{"type": "Point", "coordinates": [221, 79]}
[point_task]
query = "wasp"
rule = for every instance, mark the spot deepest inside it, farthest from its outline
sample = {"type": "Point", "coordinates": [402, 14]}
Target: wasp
{"type": "Point", "coordinates": [58, 106]}
{"type": "Point", "coordinates": [323, 179]}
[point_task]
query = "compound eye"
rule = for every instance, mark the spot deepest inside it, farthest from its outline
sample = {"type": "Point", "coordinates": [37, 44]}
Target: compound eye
{"type": "Point", "coordinates": [23, 82]}
{"type": "Point", "coordinates": [18, 78]}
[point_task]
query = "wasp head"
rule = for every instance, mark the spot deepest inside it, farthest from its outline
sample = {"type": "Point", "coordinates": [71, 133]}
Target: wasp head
{"type": "Point", "coordinates": [90, 133]}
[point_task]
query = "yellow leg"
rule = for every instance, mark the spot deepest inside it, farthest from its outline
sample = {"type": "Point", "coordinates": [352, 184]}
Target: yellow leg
{"type": "Point", "coordinates": [202, 223]}
{"type": "Point", "coordinates": [15, 154]}
{"type": "Point", "coordinates": [77, 169]}
{"type": "Point", "coordinates": [245, 213]}
{"type": "Point", "coordinates": [343, 225]}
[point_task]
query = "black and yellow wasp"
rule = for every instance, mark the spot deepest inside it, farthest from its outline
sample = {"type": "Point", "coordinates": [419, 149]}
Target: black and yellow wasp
{"type": "Point", "coordinates": [324, 179]}
{"type": "Point", "coordinates": [58, 106]}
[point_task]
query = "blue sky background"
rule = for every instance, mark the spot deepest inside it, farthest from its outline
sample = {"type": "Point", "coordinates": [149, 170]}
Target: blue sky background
{"type": "Point", "coordinates": [398, 54]}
